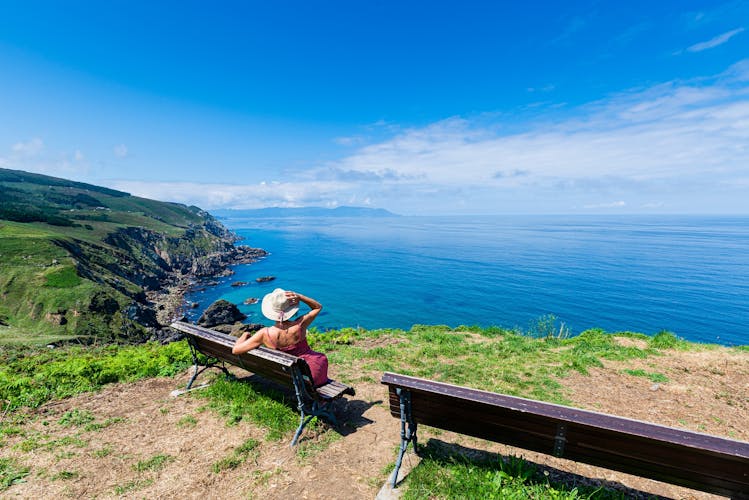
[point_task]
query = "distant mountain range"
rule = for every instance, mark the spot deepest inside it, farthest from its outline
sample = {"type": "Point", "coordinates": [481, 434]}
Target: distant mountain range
{"type": "Point", "coordinates": [281, 212]}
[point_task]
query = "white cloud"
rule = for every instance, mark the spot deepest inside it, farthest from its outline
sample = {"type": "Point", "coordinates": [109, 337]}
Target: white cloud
{"type": "Point", "coordinates": [34, 156]}
{"type": "Point", "coordinates": [120, 151]}
{"type": "Point", "coordinates": [247, 196]}
{"type": "Point", "coordinates": [29, 148]}
{"type": "Point", "coordinates": [676, 137]}
{"type": "Point", "coordinates": [714, 42]}
{"type": "Point", "coordinates": [611, 204]}
{"type": "Point", "coordinates": [682, 143]}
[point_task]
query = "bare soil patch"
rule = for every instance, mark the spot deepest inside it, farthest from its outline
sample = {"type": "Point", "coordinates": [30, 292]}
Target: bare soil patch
{"type": "Point", "coordinates": [706, 391]}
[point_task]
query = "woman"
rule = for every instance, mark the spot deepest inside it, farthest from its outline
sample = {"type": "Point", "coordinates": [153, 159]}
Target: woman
{"type": "Point", "coordinates": [287, 335]}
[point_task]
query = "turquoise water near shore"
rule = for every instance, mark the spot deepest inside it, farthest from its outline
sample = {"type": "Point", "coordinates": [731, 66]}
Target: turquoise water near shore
{"type": "Point", "coordinates": [685, 274]}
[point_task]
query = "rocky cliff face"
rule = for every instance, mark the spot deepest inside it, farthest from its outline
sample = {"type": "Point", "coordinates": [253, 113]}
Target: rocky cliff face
{"type": "Point", "coordinates": [79, 261]}
{"type": "Point", "coordinates": [138, 265]}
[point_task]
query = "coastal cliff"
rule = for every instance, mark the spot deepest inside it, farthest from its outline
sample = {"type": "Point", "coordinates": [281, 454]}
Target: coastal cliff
{"type": "Point", "coordinates": [87, 264]}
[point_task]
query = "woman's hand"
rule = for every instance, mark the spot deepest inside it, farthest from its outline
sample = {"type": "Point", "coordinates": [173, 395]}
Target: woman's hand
{"type": "Point", "coordinates": [292, 297]}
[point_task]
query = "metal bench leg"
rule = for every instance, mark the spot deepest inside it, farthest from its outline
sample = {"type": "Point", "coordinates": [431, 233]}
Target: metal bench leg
{"type": "Point", "coordinates": [303, 421]}
{"type": "Point", "coordinates": [309, 408]}
{"type": "Point", "coordinates": [195, 365]}
{"type": "Point", "coordinates": [408, 430]}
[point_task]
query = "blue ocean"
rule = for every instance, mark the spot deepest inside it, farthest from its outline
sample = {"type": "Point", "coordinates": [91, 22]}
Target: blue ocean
{"type": "Point", "coordinates": [685, 274]}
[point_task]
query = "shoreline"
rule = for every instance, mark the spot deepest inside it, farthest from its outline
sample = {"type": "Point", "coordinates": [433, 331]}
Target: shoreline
{"type": "Point", "coordinates": [168, 301]}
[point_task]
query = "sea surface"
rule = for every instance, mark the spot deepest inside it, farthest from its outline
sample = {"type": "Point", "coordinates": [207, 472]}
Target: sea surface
{"type": "Point", "coordinates": [685, 274]}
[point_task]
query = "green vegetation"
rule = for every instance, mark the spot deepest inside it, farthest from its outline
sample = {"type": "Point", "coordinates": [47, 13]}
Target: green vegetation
{"type": "Point", "coordinates": [238, 457]}
{"type": "Point", "coordinates": [11, 472]}
{"type": "Point", "coordinates": [187, 421]}
{"type": "Point", "coordinates": [30, 377]}
{"type": "Point", "coordinates": [76, 418]}
{"type": "Point", "coordinates": [85, 419]}
{"type": "Point", "coordinates": [65, 474]}
{"type": "Point", "coordinates": [75, 258]}
{"type": "Point", "coordinates": [238, 401]}
{"type": "Point", "coordinates": [155, 463]}
{"type": "Point", "coordinates": [443, 473]}
{"type": "Point", "coordinates": [652, 376]}
{"type": "Point", "coordinates": [133, 485]}
{"type": "Point", "coordinates": [493, 359]}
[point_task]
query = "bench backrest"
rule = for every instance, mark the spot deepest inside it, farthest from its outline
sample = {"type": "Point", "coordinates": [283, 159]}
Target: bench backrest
{"type": "Point", "coordinates": [269, 363]}
{"type": "Point", "coordinates": [681, 457]}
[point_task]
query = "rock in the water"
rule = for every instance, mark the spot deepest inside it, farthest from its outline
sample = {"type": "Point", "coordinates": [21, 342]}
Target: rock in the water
{"type": "Point", "coordinates": [239, 283]}
{"type": "Point", "coordinates": [263, 279]}
{"type": "Point", "coordinates": [221, 312]}
{"type": "Point", "coordinates": [251, 300]}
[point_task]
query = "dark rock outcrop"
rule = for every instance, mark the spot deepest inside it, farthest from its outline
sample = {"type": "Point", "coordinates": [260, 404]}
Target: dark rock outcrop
{"type": "Point", "coordinates": [221, 312]}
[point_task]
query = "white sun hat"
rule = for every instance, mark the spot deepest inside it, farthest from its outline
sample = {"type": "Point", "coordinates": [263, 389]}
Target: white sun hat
{"type": "Point", "coordinates": [277, 306]}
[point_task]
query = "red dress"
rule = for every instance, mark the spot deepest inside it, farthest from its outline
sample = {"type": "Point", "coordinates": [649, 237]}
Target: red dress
{"type": "Point", "coordinates": [317, 361]}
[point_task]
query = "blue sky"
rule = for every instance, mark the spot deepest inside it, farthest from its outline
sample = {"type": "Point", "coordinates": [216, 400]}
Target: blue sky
{"type": "Point", "coordinates": [416, 107]}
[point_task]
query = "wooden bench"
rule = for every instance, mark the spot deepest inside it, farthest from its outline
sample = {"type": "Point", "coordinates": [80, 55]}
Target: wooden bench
{"type": "Point", "coordinates": [278, 366]}
{"type": "Point", "coordinates": [691, 459]}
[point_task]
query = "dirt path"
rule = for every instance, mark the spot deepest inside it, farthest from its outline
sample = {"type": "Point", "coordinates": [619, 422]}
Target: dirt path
{"type": "Point", "coordinates": [705, 391]}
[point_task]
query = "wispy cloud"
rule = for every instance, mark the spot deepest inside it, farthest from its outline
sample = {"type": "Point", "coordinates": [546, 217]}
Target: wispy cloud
{"type": "Point", "coordinates": [574, 25]}
{"type": "Point", "coordinates": [263, 194]}
{"type": "Point", "coordinates": [120, 151]}
{"type": "Point", "coordinates": [28, 148]}
{"type": "Point", "coordinates": [676, 146]}
{"type": "Point", "coordinates": [609, 204]}
{"type": "Point", "coordinates": [672, 134]}
{"type": "Point", "coordinates": [33, 156]}
{"type": "Point", "coordinates": [714, 42]}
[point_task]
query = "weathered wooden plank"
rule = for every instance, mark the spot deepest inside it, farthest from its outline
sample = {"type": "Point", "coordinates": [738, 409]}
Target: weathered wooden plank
{"type": "Point", "coordinates": [696, 460]}
{"type": "Point", "coordinates": [334, 389]}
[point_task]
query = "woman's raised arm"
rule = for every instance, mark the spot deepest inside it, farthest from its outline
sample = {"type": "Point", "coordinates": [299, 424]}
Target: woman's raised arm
{"type": "Point", "coordinates": [315, 307]}
{"type": "Point", "coordinates": [246, 343]}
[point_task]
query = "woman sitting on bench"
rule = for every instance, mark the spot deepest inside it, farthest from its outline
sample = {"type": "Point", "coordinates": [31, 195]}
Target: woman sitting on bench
{"type": "Point", "coordinates": [287, 335]}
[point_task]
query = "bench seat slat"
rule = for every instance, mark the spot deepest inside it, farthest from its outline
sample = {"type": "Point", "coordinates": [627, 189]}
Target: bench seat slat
{"type": "Point", "coordinates": [333, 389]}
{"type": "Point", "coordinates": [687, 458]}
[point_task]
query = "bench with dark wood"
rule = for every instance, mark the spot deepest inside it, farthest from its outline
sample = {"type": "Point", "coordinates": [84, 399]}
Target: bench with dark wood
{"type": "Point", "coordinates": [278, 366]}
{"type": "Point", "coordinates": [685, 458]}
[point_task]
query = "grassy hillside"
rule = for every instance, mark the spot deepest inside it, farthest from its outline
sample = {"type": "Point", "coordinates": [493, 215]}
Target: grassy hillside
{"type": "Point", "coordinates": [77, 259]}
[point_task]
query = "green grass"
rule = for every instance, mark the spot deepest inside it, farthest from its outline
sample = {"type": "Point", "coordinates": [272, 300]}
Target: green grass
{"type": "Point", "coordinates": [134, 485]}
{"type": "Point", "coordinates": [63, 277]}
{"type": "Point", "coordinates": [31, 377]}
{"type": "Point", "coordinates": [155, 463]}
{"type": "Point", "coordinates": [492, 359]}
{"type": "Point", "coordinates": [103, 452]}
{"type": "Point", "coordinates": [239, 456]}
{"type": "Point", "coordinates": [65, 474]}
{"type": "Point", "coordinates": [11, 472]}
{"type": "Point", "coordinates": [652, 376]}
{"type": "Point", "coordinates": [445, 472]}
{"type": "Point", "coordinates": [239, 401]}
{"type": "Point", "coordinates": [76, 418]}
{"type": "Point", "coordinates": [187, 421]}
